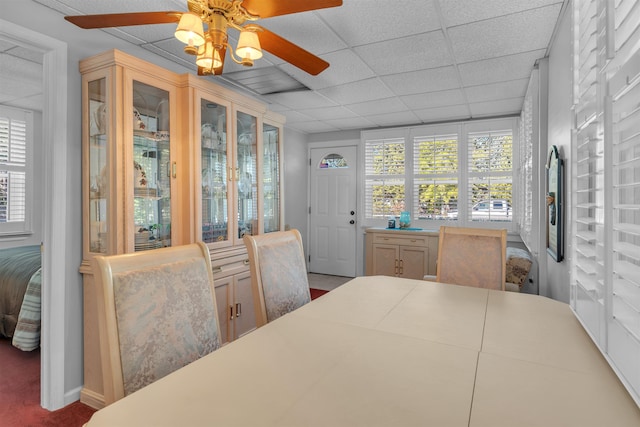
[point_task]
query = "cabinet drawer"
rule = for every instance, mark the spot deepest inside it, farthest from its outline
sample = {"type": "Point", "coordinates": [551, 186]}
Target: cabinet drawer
{"type": "Point", "coordinates": [396, 240]}
{"type": "Point", "coordinates": [223, 267]}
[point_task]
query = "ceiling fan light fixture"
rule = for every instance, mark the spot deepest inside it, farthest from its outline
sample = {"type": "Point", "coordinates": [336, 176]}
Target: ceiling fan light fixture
{"type": "Point", "coordinates": [190, 31]}
{"type": "Point", "coordinates": [208, 57]}
{"type": "Point", "coordinates": [249, 46]}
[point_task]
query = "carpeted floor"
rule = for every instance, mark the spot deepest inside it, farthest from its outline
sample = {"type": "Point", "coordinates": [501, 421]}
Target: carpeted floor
{"type": "Point", "coordinates": [326, 282]}
{"type": "Point", "coordinates": [20, 393]}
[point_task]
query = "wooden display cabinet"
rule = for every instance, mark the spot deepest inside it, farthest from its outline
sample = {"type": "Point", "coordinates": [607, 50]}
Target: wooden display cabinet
{"type": "Point", "coordinates": [172, 159]}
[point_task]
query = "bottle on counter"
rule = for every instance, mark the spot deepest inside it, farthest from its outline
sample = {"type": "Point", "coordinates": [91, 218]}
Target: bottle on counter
{"type": "Point", "coordinates": [392, 222]}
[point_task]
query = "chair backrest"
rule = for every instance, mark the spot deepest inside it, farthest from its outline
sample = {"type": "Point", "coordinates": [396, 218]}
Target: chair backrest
{"type": "Point", "coordinates": [278, 274]}
{"type": "Point", "coordinates": [472, 257]}
{"type": "Point", "coordinates": [156, 314]}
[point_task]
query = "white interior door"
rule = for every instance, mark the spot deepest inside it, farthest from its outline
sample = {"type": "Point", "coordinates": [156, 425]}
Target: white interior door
{"type": "Point", "coordinates": [332, 223]}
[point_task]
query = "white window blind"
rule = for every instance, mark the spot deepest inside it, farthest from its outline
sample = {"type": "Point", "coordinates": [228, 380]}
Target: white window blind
{"type": "Point", "coordinates": [384, 177]}
{"type": "Point", "coordinates": [490, 171]}
{"type": "Point", "coordinates": [606, 246]}
{"type": "Point", "coordinates": [435, 178]}
{"type": "Point", "coordinates": [13, 152]}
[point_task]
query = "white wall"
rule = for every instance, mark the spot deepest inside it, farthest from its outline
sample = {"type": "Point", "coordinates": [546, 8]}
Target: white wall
{"type": "Point", "coordinates": [559, 134]}
{"type": "Point", "coordinates": [295, 173]}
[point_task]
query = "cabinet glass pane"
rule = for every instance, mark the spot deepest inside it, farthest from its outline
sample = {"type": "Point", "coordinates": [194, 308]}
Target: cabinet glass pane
{"type": "Point", "coordinates": [214, 172]}
{"type": "Point", "coordinates": [151, 167]}
{"type": "Point", "coordinates": [98, 179]}
{"type": "Point", "coordinates": [246, 174]}
{"type": "Point", "coordinates": [271, 178]}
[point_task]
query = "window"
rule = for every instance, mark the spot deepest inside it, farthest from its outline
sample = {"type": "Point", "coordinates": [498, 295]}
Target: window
{"type": "Point", "coordinates": [460, 173]}
{"type": "Point", "coordinates": [15, 145]}
{"type": "Point", "coordinates": [385, 183]}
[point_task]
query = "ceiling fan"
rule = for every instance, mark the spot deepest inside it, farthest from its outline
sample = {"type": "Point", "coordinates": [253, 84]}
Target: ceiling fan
{"type": "Point", "coordinates": [204, 30]}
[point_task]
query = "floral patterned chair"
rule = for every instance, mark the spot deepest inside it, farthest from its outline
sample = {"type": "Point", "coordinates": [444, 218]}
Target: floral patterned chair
{"type": "Point", "coordinates": [278, 274]}
{"type": "Point", "coordinates": [156, 314]}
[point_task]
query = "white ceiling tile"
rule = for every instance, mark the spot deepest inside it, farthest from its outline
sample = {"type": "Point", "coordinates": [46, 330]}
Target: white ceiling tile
{"type": "Point", "coordinates": [502, 90]}
{"type": "Point", "coordinates": [360, 22]}
{"type": "Point", "coordinates": [351, 123]}
{"type": "Point", "coordinates": [306, 30]}
{"type": "Point", "coordinates": [498, 107]}
{"type": "Point", "coordinates": [440, 98]}
{"type": "Point", "coordinates": [453, 112]}
{"type": "Point", "coordinates": [525, 31]}
{"type": "Point", "coordinates": [401, 118]}
{"type": "Point", "coordinates": [422, 81]}
{"type": "Point", "coordinates": [369, 108]}
{"type": "Point", "coordinates": [344, 67]}
{"type": "Point", "coordinates": [466, 11]}
{"type": "Point", "coordinates": [504, 68]}
{"type": "Point", "coordinates": [427, 50]}
{"type": "Point", "coordinates": [329, 113]}
{"type": "Point", "coordinates": [295, 116]}
{"type": "Point", "coordinates": [300, 100]}
{"type": "Point", "coordinates": [313, 127]}
{"type": "Point", "coordinates": [360, 91]}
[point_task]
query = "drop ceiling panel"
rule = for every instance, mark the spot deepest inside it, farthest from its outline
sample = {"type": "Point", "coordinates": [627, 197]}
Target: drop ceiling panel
{"type": "Point", "coordinates": [422, 81]}
{"type": "Point", "coordinates": [465, 11]}
{"type": "Point", "coordinates": [360, 91]}
{"type": "Point", "coordinates": [427, 50]}
{"type": "Point", "coordinates": [499, 69]}
{"type": "Point", "coordinates": [440, 98]}
{"type": "Point", "coordinates": [454, 112]}
{"type": "Point", "coordinates": [500, 107]}
{"type": "Point", "coordinates": [360, 22]}
{"type": "Point", "coordinates": [494, 91]}
{"type": "Point", "coordinates": [504, 35]}
{"type": "Point", "coordinates": [390, 61]}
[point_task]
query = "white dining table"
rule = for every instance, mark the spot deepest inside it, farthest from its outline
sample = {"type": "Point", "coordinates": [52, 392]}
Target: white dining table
{"type": "Point", "coordinates": [384, 351]}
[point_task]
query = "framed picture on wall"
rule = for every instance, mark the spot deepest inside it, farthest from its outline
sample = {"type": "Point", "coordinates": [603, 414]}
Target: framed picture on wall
{"type": "Point", "coordinates": [554, 204]}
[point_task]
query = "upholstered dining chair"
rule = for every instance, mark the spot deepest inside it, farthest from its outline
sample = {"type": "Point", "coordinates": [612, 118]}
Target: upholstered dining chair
{"type": "Point", "coordinates": [472, 257]}
{"type": "Point", "coordinates": [156, 314]}
{"type": "Point", "coordinates": [278, 274]}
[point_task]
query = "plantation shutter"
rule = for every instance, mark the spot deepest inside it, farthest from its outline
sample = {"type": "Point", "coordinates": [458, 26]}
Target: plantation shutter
{"type": "Point", "coordinates": [435, 176]}
{"type": "Point", "coordinates": [490, 172]}
{"type": "Point", "coordinates": [384, 177]}
{"type": "Point", "coordinates": [13, 151]}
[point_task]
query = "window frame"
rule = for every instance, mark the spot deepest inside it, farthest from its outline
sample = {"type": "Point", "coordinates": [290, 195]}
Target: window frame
{"type": "Point", "coordinates": [462, 130]}
{"type": "Point", "coordinates": [19, 228]}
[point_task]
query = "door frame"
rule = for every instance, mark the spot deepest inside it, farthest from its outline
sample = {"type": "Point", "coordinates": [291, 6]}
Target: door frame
{"type": "Point", "coordinates": [54, 142]}
{"type": "Point", "coordinates": [359, 229]}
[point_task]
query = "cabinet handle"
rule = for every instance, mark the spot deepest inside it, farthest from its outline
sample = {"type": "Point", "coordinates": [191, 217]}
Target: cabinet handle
{"type": "Point", "coordinates": [385, 238]}
{"type": "Point", "coordinates": [401, 267]}
{"type": "Point", "coordinates": [396, 267]}
{"type": "Point", "coordinates": [216, 270]}
{"type": "Point", "coordinates": [246, 261]}
{"type": "Point", "coordinates": [238, 309]}
{"type": "Point", "coordinates": [413, 240]}
{"type": "Point", "coordinates": [230, 174]}
{"type": "Point", "coordinates": [174, 168]}
{"type": "Point", "coordinates": [230, 312]}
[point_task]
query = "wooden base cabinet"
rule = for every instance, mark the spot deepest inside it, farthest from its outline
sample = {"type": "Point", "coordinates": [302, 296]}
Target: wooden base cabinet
{"type": "Point", "coordinates": [409, 254]}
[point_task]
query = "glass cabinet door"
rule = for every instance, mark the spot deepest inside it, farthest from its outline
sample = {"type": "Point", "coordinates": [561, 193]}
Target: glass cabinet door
{"type": "Point", "coordinates": [246, 179]}
{"type": "Point", "coordinates": [214, 165]}
{"type": "Point", "coordinates": [151, 167]}
{"type": "Point", "coordinates": [271, 177]}
{"type": "Point", "coordinates": [98, 173]}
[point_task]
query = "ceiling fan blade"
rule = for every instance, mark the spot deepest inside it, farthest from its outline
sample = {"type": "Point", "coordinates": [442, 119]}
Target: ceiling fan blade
{"type": "Point", "coordinates": [290, 52]}
{"type": "Point", "coordinates": [269, 8]}
{"type": "Point", "coordinates": [124, 19]}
